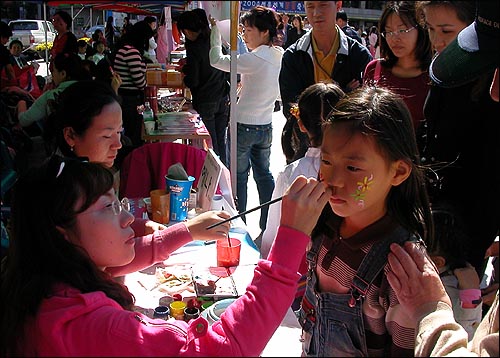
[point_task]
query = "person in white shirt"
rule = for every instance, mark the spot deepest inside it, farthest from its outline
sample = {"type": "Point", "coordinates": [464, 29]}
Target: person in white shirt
{"type": "Point", "coordinates": [259, 71]}
{"type": "Point", "coordinates": [150, 52]}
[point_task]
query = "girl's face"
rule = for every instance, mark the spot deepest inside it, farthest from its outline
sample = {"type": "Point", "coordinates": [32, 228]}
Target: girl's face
{"type": "Point", "coordinates": [360, 177]}
{"type": "Point", "coordinates": [105, 233]}
{"type": "Point", "coordinates": [401, 44]}
{"type": "Point", "coordinates": [101, 142]}
{"type": "Point", "coordinates": [443, 25]}
{"type": "Point", "coordinates": [58, 76]}
{"type": "Point", "coordinates": [100, 48]}
{"type": "Point", "coordinates": [253, 37]}
{"type": "Point", "coordinates": [296, 23]}
{"type": "Point", "coordinates": [16, 49]}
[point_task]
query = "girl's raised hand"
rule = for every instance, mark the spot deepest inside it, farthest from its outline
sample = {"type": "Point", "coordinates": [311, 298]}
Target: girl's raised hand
{"type": "Point", "coordinates": [303, 203]}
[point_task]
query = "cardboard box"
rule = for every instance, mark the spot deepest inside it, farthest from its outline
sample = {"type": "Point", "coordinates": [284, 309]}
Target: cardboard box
{"type": "Point", "coordinates": [164, 78]}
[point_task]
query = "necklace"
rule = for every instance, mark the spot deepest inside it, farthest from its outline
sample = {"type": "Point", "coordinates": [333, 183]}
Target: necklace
{"type": "Point", "coordinates": [319, 64]}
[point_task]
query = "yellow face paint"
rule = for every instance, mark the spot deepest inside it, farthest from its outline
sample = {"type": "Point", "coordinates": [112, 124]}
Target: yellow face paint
{"type": "Point", "coordinates": [363, 187]}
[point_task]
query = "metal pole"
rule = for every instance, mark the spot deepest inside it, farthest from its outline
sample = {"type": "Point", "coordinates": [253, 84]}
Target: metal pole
{"type": "Point", "coordinates": [235, 5]}
{"type": "Point", "coordinates": [46, 48]}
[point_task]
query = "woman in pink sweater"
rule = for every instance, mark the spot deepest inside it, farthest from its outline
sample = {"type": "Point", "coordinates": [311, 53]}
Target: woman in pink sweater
{"type": "Point", "coordinates": [71, 234]}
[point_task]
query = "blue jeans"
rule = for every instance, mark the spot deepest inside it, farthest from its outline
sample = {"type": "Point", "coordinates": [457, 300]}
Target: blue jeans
{"type": "Point", "coordinates": [254, 150]}
{"type": "Point", "coordinates": [215, 116]}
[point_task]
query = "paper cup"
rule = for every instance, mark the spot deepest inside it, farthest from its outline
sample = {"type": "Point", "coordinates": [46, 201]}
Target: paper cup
{"type": "Point", "coordinates": [179, 191]}
{"type": "Point", "coordinates": [160, 206]}
{"type": "Point", "coordinates": [149, 126]}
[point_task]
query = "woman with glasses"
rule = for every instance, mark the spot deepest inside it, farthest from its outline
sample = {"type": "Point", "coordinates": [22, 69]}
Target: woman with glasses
{"type": "Point", "coordinates": [70, 235]}
{"type": "Point", "coordinates": [405, 56]}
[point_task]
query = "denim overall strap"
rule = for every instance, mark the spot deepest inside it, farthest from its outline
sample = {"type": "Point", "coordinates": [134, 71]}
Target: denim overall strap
{"type": "Point", "coordinates": [373, 262]}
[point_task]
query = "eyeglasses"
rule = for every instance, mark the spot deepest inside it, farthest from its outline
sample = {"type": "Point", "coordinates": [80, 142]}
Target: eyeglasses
{"type": "Point", "coordinates": [390, 34]}
{"type": "Point", "coordinates": [117, 206]}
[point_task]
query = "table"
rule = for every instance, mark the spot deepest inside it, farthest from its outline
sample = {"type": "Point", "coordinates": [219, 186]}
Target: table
{"type": "Point", "coordinates": [286, 340]}
{"type": "Point", "coordinates": [199, 137]}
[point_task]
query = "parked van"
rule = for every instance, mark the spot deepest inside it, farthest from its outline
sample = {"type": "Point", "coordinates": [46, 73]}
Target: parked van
{"type": "Point", "coordinates": [32, 32]}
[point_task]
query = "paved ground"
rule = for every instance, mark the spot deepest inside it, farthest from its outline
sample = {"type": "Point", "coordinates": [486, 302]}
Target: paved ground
{"type": "Point", "coordinates": [277, 163]}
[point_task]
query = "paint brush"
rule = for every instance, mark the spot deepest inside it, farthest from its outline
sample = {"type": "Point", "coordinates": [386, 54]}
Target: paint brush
{"type": "Point", "coordinates": [245, 212]}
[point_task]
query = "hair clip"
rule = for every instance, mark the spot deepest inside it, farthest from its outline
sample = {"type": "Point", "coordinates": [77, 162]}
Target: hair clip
{"type": "Point", "coordinates": [294, 111]}
{"type": "Point", "coordinates": [61, 167]}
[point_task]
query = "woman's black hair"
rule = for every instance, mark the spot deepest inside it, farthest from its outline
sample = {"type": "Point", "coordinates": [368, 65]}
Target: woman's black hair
{"type": "Point", "coordinates": [77, 106]}
{"type": "Point", "coordinates": [194, 20]}
{"type": "Point", "coordinates": [68, 20]}
{"type": "Point", "coordinates": [45, 199]}
{"type": "Point", "coordinates": [263, 18]}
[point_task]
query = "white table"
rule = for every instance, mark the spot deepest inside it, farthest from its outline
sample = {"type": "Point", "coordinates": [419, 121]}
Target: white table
{"type": "Point", "coordinates": [286, 340]}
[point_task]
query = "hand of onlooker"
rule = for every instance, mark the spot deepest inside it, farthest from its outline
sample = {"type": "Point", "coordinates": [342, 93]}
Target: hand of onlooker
{"type": "Point", "coordinates": [197, 226]}
{"type": "Point", "coordinates": [213, 22]}
{"type": "Point", "coordinates": [303, 203]}
{"type": "Point", "coordinates": [116, 81]}
{"type": "Point", "coordinates": [415, 279]}
{"type": "Point", "coordinates": [467, 277]}
{"type": "Point", "coordinates": [493, 249]}
{"type": "Point", "coordinates": [353, 85]}
{"type": "Point", "coordinates": [488, 294]}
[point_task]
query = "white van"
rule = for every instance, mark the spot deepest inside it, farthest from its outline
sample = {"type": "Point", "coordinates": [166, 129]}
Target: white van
{"type": "Point", "coordinates": [32, 32]}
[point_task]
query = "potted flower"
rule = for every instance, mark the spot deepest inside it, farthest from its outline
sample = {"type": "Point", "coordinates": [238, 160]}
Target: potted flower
{"type": "Point", "coordinates": [41, 47]}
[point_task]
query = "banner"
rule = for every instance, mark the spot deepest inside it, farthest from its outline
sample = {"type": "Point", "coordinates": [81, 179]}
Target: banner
{"type": "Point", "coordinates": [290, 7]}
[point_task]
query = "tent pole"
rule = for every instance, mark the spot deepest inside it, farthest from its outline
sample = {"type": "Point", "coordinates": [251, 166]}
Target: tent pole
{"type": "Point", "coordinates": [232, 93]}
{"type": "Point", "coordinates": [46, 48]}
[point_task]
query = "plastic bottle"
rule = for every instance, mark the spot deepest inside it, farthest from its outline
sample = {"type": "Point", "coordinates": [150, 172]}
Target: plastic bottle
{"type": "Point", "coordinates": [148, 114]}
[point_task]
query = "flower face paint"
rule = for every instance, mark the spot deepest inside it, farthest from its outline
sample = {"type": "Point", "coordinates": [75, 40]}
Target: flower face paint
{"type": "Point", "coordinates": [361, 190]}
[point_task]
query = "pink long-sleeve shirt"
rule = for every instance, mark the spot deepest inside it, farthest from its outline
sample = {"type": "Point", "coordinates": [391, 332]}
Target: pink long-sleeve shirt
{"type": "Point", "coordinates": [71, 323]}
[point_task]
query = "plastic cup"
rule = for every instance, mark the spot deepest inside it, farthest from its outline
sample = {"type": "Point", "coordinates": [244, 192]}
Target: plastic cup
{"type": "Point", "coordinates": [191, 313]}
{"type": "Point", "coordinates": [160, 206]}
{"type": "Point", "coordinates": [177, 309]}
{"type": "Point", "coordinates": [217, 202]}
{"type": "Point", "coordinates": [179, 197]}
{"type": "Point", "coordinates": [227, 255]}
{"type": "Point", "coordinates": [149, 126]}
{"type": "Point", "coordinates": [161, 312]}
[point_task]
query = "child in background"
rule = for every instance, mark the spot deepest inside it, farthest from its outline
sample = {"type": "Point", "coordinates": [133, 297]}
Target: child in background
{"type": "Point", "coordinates": [459, 278]}
{"type": "Point", "coordinates": [314, 105]}
{"type": "Point", "coordinates": [82, 49]}
{"type": "Point", "coordinates": [99, 55]}
{"type": "Point", "coordinates": [369, 159]}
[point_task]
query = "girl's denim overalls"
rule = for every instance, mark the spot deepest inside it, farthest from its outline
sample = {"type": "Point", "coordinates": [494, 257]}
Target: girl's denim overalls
{"type": "Point", "coordinates": [332, 324]}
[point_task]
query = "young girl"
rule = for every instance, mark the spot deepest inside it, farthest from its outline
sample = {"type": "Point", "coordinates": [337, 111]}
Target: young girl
{"type": "Point", "coordinates": [370, 161]}
{"type": "Point", "coordinates": [314, 105]}
{"type": "Point", "coordinates": [405, 56]}
{"type": "Point", "coordinates": [58, 297]}
{"type": "Point", "coordinates": [259, 71]}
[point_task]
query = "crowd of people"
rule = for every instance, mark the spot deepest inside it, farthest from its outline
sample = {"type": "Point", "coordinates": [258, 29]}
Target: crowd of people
{"type": "Point", "coordinates": [380, 242]}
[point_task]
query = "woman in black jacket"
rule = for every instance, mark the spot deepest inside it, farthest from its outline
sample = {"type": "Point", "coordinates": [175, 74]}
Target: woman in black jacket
{"type": "Point", "coordinates": [209, 86]}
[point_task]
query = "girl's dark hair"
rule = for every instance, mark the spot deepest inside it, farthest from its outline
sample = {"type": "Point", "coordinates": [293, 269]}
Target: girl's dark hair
{"type": "Point", "coordinates": [263, 18]}
{"type": "Point", "coordinates": [39, 257]}
{"type": "Point", "coordinates": [382, 115]}
{"type": "Point", "coordinates": [298, 17]}
{"type": "Point", "coordinates": [406, 10]}
{"type": "Point", "coordinates": [72, 64]}
{"type": "Point", "coordinates": [68, 20]}
{"type": "Point", "coordinates": [77, 106]}
{"type": "Point", "coordinates": [465, 10]}
{"type": "Point", "coordinates": [194, 20]}
{"type": "Point", "coordinates": [449, 238]}
{"type": "Point", "coordinates": [138, 36]}
{"type": "Point", "coordinates": [315, 103]}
